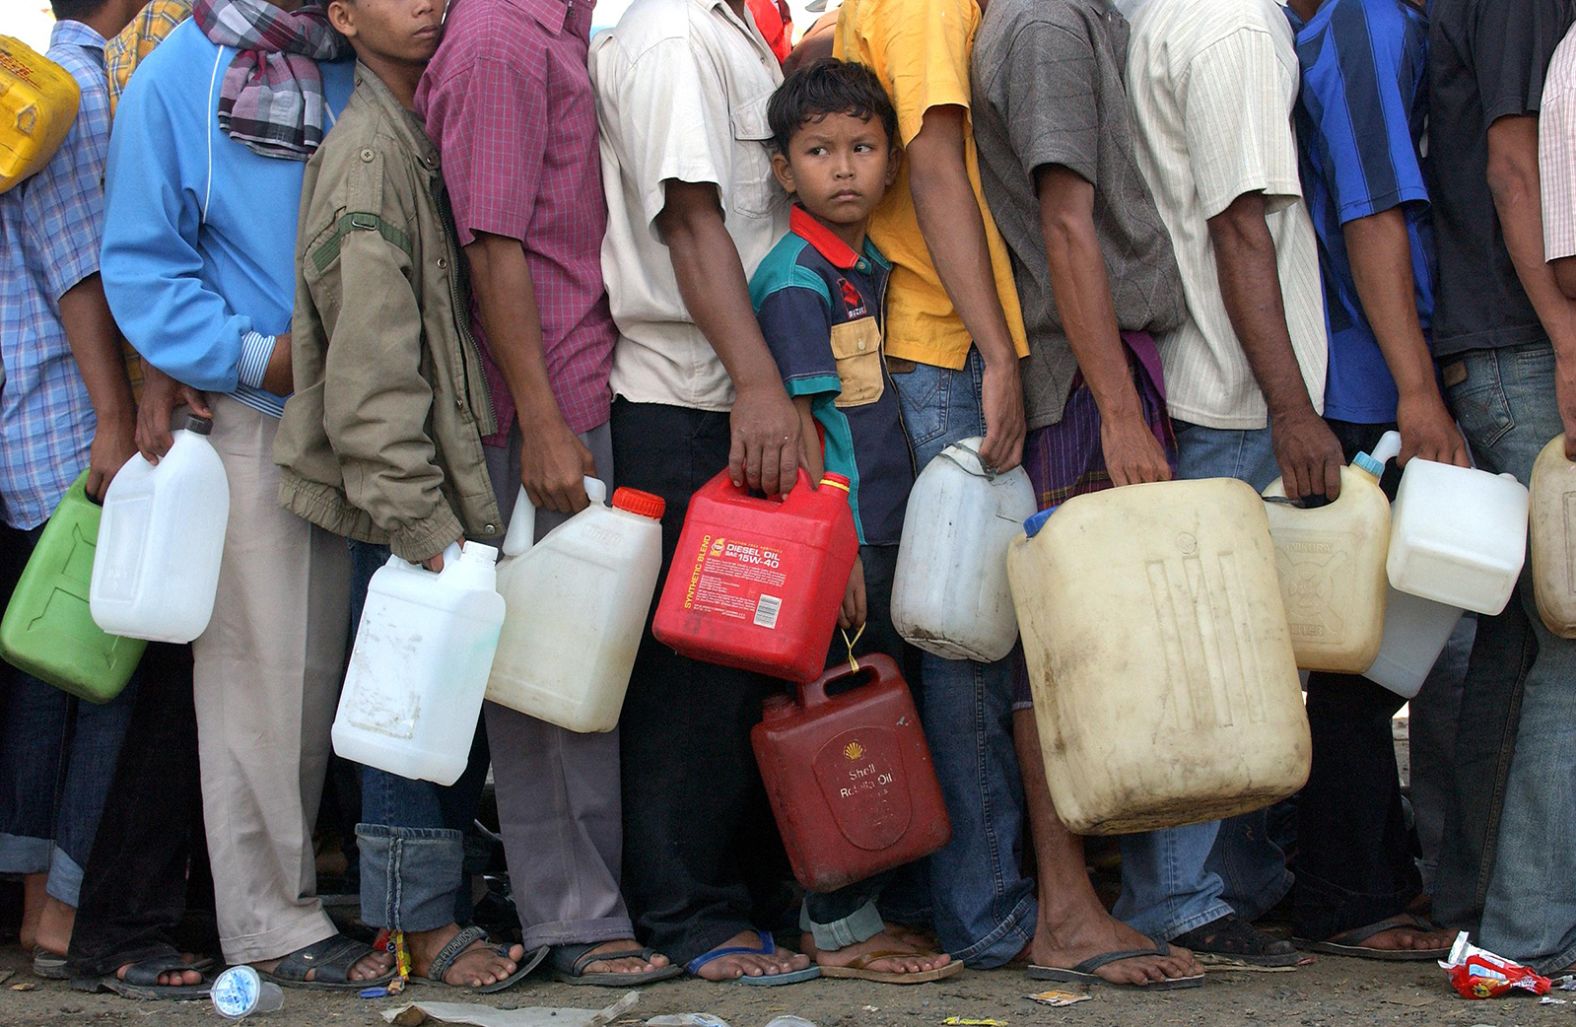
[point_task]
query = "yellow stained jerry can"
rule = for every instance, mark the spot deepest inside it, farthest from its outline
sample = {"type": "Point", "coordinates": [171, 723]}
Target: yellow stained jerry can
{"type": "Point", "coordinates": [38, 103]}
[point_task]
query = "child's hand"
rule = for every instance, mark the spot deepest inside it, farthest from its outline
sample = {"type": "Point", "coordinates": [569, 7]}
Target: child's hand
{"type": "Point", "coordinates": [854, 613]}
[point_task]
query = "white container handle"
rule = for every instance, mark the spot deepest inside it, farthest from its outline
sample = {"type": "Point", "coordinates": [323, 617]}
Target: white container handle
{"type": "Point", "coordinates": [522, 523]}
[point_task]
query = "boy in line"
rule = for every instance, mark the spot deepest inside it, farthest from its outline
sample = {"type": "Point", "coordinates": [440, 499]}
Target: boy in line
{"type": "Point", "coordinates": [1098, 279]}
{"type": "Point", "coordinates": [381, 440]}
{"type": "Point", "coordinates": [818, 296]}
{"type": "Point", "coordinates": [953, 342]}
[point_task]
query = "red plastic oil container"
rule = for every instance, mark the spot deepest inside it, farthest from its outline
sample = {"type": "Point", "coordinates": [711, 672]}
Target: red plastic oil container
{"type": "Point", "coordinates": [849, 777]}
{"type": "Point", "coordinates": [756, 583]}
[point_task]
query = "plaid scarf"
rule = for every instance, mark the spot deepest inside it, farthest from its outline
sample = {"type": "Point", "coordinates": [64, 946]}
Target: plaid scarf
{"type": "Point", "coordinates": [271, 99]}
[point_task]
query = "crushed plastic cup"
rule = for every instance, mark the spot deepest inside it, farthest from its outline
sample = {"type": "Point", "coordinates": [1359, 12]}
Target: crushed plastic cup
{"type": "Point", "coordinates": [239, 992]}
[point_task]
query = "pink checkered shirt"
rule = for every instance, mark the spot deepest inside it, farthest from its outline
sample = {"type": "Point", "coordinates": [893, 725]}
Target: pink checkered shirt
{"type": "Point", "coordinates": [509, 103]}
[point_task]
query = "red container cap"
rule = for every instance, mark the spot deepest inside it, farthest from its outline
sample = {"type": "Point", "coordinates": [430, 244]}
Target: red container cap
{"type": "Point", "coordinates": [837, 481]}
{"type": "Point", "coordinates": [641, 503]}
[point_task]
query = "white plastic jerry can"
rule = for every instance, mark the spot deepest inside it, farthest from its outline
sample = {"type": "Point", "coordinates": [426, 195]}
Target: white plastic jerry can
{"type": "Point", "coordinates": [161, 540]}
{"type": "Point", "coordinates": [578, 602]}
{"type": "Point", "coordinates": [1458, 535]}
{"type": "Point", "coordinates": [1415, 633]}
{"type": "Point", "coordinates": [1164, 684]}
{"type": "Point", "coordinates": [1330, 561]}
{"type": "Point", "coordinates": [413, 690]}
{"type": "Point", "coordinates": [1554, 538]}
{"type": "Point", "coordinates": [950, 594]}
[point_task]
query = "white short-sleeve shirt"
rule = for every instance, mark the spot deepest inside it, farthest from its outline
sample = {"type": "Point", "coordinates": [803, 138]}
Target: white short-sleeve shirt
{"type": "Point", "coordinates": [682, 88]}
{"type": "Point", "coordinates": [1212, 85]}
{"type": "Point", "coordinates": [1557, 152]}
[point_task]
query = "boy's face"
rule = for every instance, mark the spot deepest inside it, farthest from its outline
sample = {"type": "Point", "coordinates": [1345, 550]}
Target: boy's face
{"type": "Point", "coordinates": [406, 31]}
{"type": "Point", "coordinates": [839, 166]}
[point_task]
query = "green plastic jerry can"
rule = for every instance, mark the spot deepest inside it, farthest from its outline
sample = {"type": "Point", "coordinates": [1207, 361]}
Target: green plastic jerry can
{"type": "Point", "coordinates": [47, 630]}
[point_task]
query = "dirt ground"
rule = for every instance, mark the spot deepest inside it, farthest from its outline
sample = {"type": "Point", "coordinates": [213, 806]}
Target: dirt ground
{"type": "Point", "coordinates": [1331, 991]}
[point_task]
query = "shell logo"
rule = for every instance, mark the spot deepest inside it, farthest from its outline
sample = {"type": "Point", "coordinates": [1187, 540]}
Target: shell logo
{"type": "Point", "coordinates": [853, 751]}
{"type": "Point", "coordinates": [717, 547]}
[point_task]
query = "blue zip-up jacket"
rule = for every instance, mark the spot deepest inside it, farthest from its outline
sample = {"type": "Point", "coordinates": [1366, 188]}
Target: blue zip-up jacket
{"type": "Point", "coordinates": [199, 238]}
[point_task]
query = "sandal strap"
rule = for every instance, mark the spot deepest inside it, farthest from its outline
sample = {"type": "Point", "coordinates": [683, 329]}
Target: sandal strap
{"type": "Point", "coordinates": [145, 972]}
{"type": "Point", "coordinates": [768, 948]}
{"type": "Point", "coordinates": [1094, 963]}
{"type": "Point", "coordinates": [1358, 935]}
{"type": "Point", "coordinates": [332, 958]}
{"type": "Point", "coordinates": [863, 962]}
{"type": "Point", "coordinates": [444, 961]}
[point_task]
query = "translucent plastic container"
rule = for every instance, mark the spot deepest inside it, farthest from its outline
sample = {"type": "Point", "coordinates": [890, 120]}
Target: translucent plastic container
{"type": "Point", "coordinates": [413, 690]}
{"type": "Point", "coordinates": [161, 540]}
{"type": "Point", "coordinates": [38, 104]}
{"type": "Point", "coordinates": [950, 595]}
{"type": "Point", "coordinates": [1415, 633]}
{"type": "Point", "coordinates": [1330, 560]}
{"type": "Point", "coordinates": [1554, 538]}
{"type": "Point", "coordinates": [577, 603]}
{"type": "Point", "coordinates": [1458, 536]}
{"type": "Point", "coordinates": [48, 630]}
{"type": "Point", "coordinates": [1162, 670]}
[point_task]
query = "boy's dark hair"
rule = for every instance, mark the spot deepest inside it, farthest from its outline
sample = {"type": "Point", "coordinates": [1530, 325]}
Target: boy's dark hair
{"type": "Point", "coordinates": [828, 86]}
{"type": "Point", "coordinates": [75, 10]}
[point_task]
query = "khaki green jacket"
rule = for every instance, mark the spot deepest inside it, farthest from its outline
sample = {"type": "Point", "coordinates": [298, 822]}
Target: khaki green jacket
{"type": "Point", "coordinates": [382, 440]}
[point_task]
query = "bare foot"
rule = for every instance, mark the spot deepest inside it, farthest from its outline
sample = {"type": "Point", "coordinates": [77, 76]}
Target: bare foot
{"type": "Point", "coordinates": [628, 965]}
{"type": "Point", "coordinates": [56, 920]}
{"type": "Point", "coordinates": [478, 966]}
{"type": "Point", "coordinates": [1409, 938]}
{"type": "Point", "coordinates": [33, 899]}
{"type": "Point", "coordinates": [917, 961]}
{"type": "Point", "coordinates": [1066, 944]}
{"type": "Point", "coordinates": [745, 964]}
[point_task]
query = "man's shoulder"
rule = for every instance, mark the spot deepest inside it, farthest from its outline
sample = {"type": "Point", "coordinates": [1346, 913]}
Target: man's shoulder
{"type": "Point", "coordinates": [650, 24]}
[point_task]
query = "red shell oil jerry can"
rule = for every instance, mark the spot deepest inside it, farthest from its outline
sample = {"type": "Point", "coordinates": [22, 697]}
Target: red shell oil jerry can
{"type": "Point", "coordinates": [849, 776]}
{"type": "Point", "coordinates": [756, 583]}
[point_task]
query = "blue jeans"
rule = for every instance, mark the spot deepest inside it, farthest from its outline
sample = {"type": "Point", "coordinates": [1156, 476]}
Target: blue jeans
{"type": "Point", "coordinates": [412, 833]}
{"type": "Point", "coordinates": [1171, 882]}
{"type": "Point", "coordinates": [55, 766]}
{"type": "Point", "coordinates": [984, 905]}
{"type": "Point", "coordinates": [1506, 406]}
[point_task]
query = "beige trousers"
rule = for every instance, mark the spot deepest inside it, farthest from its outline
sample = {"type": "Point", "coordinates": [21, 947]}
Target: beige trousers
{"type": "Point", "coordinates": [267, 675]}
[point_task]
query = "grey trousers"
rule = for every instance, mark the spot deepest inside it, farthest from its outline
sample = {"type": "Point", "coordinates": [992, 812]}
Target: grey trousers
{"type": "Point", "coordinates": [266, 676]}
{"type": "Point", "coordinates": [558, 791]}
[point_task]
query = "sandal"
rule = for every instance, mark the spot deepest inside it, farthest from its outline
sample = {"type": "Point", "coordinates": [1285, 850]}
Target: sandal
{"type": "Point", "coordinates": [462, 942]}
{"type": "Point", "coordinates": [1350, 943]}
{"type": "Point", "coordinates": [1084, 973]}
{"type": "Point", "coordinates": [859, 969]}
{"type": "Point", "coordinates": [1231, 943]}
{"type": "Point", "coordinates": [49, 966]}
{"type": "Point", "coordinates": [570, 962]}
{"type": "Point", "coordinates": [768, 947]}
{"type": "Point", "coordinates": [331, 959]}
{"type": "Point", "coordinates": [142, 980]}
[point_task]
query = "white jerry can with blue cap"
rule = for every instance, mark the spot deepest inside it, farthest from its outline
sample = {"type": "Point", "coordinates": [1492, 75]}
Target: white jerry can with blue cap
{"type": "Point", "coordinates": [949, 591]}
{"type": "Point", "coordinates": [1330, 560]}
{"type": "Point", "coordinates": [1165, 686]}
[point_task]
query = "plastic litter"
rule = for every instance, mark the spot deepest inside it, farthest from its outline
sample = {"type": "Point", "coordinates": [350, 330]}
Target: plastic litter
{"type": "Point", "coordinates": [1061, 997]}
{"type": "Point", "coordinates": [418, 1013]}
{"type": "Point", "coordinates": [239, 992]}
{"type": "Point", "coordinates": [968, 1021]}
{"type": "Point", "coordinates": [1476, 973]}
{"type": "Point", "coordinates": [789, 1021]}
{"type": "Point", "coordinates": [687, 1020]}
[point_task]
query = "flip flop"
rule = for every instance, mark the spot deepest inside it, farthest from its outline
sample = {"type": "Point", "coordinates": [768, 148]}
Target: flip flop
{"type": "Point", "coordinates": [49, 966]}
{"type": "Point", "coordinates": [570, 962]}
{"type": "Point", "coordinates": [768, 947]}
{"type": "Point", "coordinates": [1084, 973]}
{"type": "Point", "coordinates": [859, 969]}
{"type": "Point", "coordinates": [1350, 943]}
{"type": "Point", "coordinates": [462, 943]}
{"type": "Point", "coordinates": [142, 981]}
{"type": "Point", "coordinates": [332, 958]}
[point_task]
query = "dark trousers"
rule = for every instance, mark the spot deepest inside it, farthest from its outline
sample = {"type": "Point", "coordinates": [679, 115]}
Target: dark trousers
{"type": "Point", "coordinates": [134, 888]}
{"type": "Point", "coordinates": [701, 853]}
{"type": "Point", "coordinates": [1354, 860]}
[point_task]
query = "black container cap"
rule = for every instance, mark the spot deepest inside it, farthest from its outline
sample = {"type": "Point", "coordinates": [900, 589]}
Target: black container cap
{"type": "Point", "coordinates": [200, 425]}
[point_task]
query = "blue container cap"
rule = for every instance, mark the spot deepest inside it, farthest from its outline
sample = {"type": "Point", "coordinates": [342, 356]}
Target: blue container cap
{"type": "Point", "coordinates": [1032, 526]}
{"type": "Point", "coordinates": [1364, 462]}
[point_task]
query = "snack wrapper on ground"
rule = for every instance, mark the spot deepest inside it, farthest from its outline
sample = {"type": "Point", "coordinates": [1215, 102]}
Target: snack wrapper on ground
{"type": "Point", "coordinates": [1476, 973]}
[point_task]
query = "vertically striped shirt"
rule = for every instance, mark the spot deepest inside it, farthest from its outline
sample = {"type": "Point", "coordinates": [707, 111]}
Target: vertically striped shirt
{"type": "Point", "coordinates": [1557, 152]}
{"type": "Point", "coordinates": [1212, 85]}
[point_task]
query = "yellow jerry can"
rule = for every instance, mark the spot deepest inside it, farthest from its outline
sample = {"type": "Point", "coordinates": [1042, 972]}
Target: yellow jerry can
{"type": "Point", "coordinates": [38, 103]}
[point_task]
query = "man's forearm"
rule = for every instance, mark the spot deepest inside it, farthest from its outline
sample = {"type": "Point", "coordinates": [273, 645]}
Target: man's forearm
{"type": "Point", "coordinates": [506, 299]}
{"type": "Point", "coordinates": [1250, 287]}
{"type": "Point", "coordinates": [95, 345]}
{"type": "Point", "coordinates": [1380, 250]}
{"type": "Point", "coordinates": [1514, 182]}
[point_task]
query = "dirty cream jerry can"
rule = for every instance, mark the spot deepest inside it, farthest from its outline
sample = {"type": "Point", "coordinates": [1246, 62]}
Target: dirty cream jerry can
{"type": "Point", "coordinates": [1554, 538]}
{"type": "Point", "coordinates": [849, 775]}
{"type": "Point", "coordinates": [1164, 682]}
{"type": "Point", "coordinates": [1330, 560]}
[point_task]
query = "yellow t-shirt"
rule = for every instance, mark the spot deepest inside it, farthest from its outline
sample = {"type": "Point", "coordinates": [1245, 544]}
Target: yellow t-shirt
{"type": "Point", "coordinates": [920, 51]}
